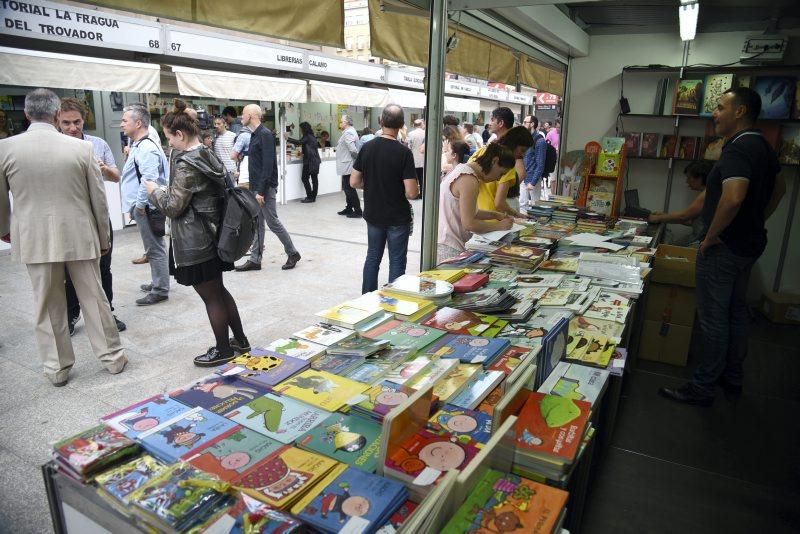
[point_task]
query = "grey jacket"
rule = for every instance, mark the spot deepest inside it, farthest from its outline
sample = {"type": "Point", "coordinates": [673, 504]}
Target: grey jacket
{"type": "Point", "coordinates": [193, 202]}
{"type": "Point", "coordinates": [346, 151]}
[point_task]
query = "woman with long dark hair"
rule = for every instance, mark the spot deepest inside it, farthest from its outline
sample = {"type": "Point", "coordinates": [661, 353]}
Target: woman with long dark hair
{"type": "Point", "coordinates": [193, 202]}
{"type": "Point", "coordinates": [311, 161]}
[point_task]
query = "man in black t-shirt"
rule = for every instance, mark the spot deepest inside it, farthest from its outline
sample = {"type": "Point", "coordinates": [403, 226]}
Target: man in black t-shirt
{"type": "Point", "coordinates": [385, 170]}
{"type": "Point", "coordinates": [742, 191]}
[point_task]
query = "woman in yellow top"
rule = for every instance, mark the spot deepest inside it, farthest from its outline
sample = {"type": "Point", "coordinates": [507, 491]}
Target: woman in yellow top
{"type": "Point", "coordinates": [492, 195]}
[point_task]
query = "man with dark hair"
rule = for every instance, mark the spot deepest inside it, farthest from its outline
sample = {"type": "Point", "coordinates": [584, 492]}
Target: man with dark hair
{"type": "Point", "coordinates": [234, 123]}
{"type": "Point", "coordinates": [486, 134]}
{"type": "Point", "coordinates": [71, 119]}
{"type": "Point", "coordinates": [534, 159]}
{"type": "Point", "coordinates": [742, 191]}
{"type": "Point", "coordinates": [450, 120]}
{"type": "Point", "coordinates": [501, 121]}
{"type": "Point", "coordinates": [384, 169]}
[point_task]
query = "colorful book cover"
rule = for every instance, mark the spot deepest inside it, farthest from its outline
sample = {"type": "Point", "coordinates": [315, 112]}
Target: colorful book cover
{"type": "Point", "coordinates": [777, 96]}
{"type": "Point", "coordinates": [398, 518]}
{"type": "Point", "coordinates": [508, 503]}
{"type": "Point", "coordinates": [430, 455]}
{"type": "Point", "coordinates": [649, 145]}
{"type": "Point", "coordinates": [283, 478]}
{"type": "Point", "coordinates": [367, 372]}
{"type": "Point", "coordinates": [416, 286]}
{"type": "Point", "coordinates": [463, 423]}
{"type": "Point", "coordinates": [404, 334]}
{"type": "Point", "coordinates": [688, 95]}
{"type": "Point", "coordinates": [400, 305]}
{"type": "Point", "coordinates": [354, 502]}
{"type": "Point", "coordinates": [358, 346]}
{"type": "Point", "coordinates": [562, 265]}
{"type": "Point", "coordinates": [539, 280]}
{"type": "Point", "coordinates": [575, 381]}
{"type": "Point", "coordinates": [408, 370]}
{"type": "Point", "coordinates": [468, 349]}
{"type": "Point", "coordinates": [525, 335]}
{"type": "Point", "coordinates": [554, 348]}
{"type": "Point", "coordinates": [488, 404]}
{"type": "Point", "coordinates": [233, 453]}
{"type": "Point", "coordinates": [607, 312]}
{"type": "Point", "coordinates": [555, 297]}
{"type": "Point", "coordinates": [321, 389]}
{"type": "Point", "coordinates": [324, 334]}
{"type": "Point", "coordinates": [633, 141]}
{"type": "Point", "coordinates": [688, 147]}
{"type": "Point", "coordinates": [477, 388]}
{"type": "Point", "coordinates": [218, 393]}
{"type": "Point", "coordinates": [263, 368]}
{"type": "Point", "coordinates": [92, 449]}
{"type": "Point", "coordinates": [457, 375]}
{"type": "Point", "coordinates": [715, 86]}
{"type": "Point", "coordinates": [789, 152]}
{"type": "Point", "coordinates": [336, 363]}
{"type": "Point", "coordinates": [178, 437]}
{"type": "Point", "coordinates": [296, 348]}
{"type": "Point", "coordinates": [348, 439]}
{"type": "Point", "coordinates": [122, 480]}
{"type": "Point", "coordinates": [669, 147]}
{"type": "Point", "coordinates": [382, 398]}
{"type": "Point", "coordinates": [551, 426]}
{"type": "Point", "coordinates": [280, 418]}
{"type": "Point", "coordinates": [458, 321]}
{"type": "Point", "coordinates": [144, 415]}
{"type": "Point", "coordinates": [348, 315]}
{"type": "Point", "coordinates": [598, 352]}
{"type": "Point", "coordinates": [509, 359]}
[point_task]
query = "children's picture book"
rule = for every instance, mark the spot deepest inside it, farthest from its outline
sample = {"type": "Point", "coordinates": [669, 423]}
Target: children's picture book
{"type": "Point", "coordinates": [715, 86]}
{"type": "Point", "coordinates": [538, 279]}
{"type": "Point", "coordinates": [599, 351]}
{"type": "Point", "coordinates": [554, 348]}
{"type": "Point", "coordinates": [408, 370]}
{"type": "Point", "coordinates": [468, 349]}
{"type": "Point", "coordinates": [454, 375]}
{"type": "Point", "coordinates": [144, 415]}
{"type": "Point", "coordinates": [398, 518]}
{"type": "Point", "coordinates": [321, 389]}
{"type": "Point", "coordinates": [510, 359]}
{"type": "Point", "coordinates": [179, 437]}
{"type": "Point", "coordinates": [688, 95]}
{"type": "Point", "coordinates": [352, 501]}
{"type": "Point", "coordinates": [789, 152]}
{"type": "Point", "coordinates": [463, 423]}
{"type": "Point", "coordinates": [233, 453]}
{"type": "Point", "coordinates": [296, 348]}
{"type": "Point", "coordinates": [253, 516]}
{"type": "Point", "coordinates": [335, 363]}
{"type": "Point", "coordinates": [458, 321]}
{"type": "Point", "coordinates": [649, 145]}
{"type": "Point", "coordinates": [555, 297]}
{"type": "Point", "coordinates": [368, 372]}
{"type": "Point", "coordinates": [477, 388]}
{"type": "Point", "coordinates": [358, 346]}
{"type": "Point", "coordinates": [607, 312]}
{"type": "Point", "coordinates": [281, 418]}
{"type": "Point", "coordinates": [688, 147]}
{"type": "Point", "coordinates": [669, 145]}
{"type": "Point", "coordinates": [349, 315]}
{"type": "Point", "coordinates": [416, 286]}
{"type": "Point", "coordinates": [263, 368]}
{"type": "Point", "coordinates": [551, 426]}
{"type": "Point", "coordinates": [425, 456]}
{"type": "Point", "coordinates": [283, 478]}
{"type": "Point", "coordinates": [90, 451]}
{"type": "Point", "coordinates": [633, 142]}
{"type": "Point", "coordinates": [119, 482]}
{"type": "Point", "coordinates": [218, 393]}
{"type": "Point", "coordinates": [575, 381]}
{"type": "Point", "coordinates": [382, 398]}
{"type": "Point", "coordinates": [563, 265]}
{"type": "Point", "coordinates": [324, 334]}
{"type": "Point", "coordinates": [777, 96]}
{"type": "Point", "coordinates": [349, 439]}
{"type": "Point", "coordinates": [405, 334]}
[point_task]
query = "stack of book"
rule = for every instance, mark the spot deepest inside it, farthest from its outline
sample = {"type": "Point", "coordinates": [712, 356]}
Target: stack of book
{"type": "Point", "coordinates": [348, 439]}
{"type": "Point", "coordinates": [448, 275]}
{"type": "Point", "coordinates": [479, 243]}
{"type": "Point", "coordinates": [575, 381]}
{"type": "Point", "coordinates": [338, 364]}
{"type": "Point", "coordinates": [358, 346]}
{"type": "Point", "coordinates": [627, 223]}
{"type": "Point", "coordinates": [477, 388]}
{"type": "Point", "coordinates": [565, 215]}
{"type": "Point", "coordinates": [468, 349]}
{"type": "Point", "coordinates": [463, 259]}
{"type": "Point", "coordinates": [590, 221]}
{"type": "Point", "coordinates": [381, 399]}
{"type": "Point", "coordinates": [403, 307]}
{"type": "Point", "coordinates": [488, 301]}
{"type": "Point", "coordinates": [324, 334]}
{"type": "Point", "coordinates": [525, 300]}
{"type": "Point", "coordinates": [521, 257]}
{"type": "Point", "coordinates": [350, 315]}
{"type": "Point", "coordinates": [590, 349]}
{"type": "Point", "coordinates": [296, 348]}
{"type": "Point", "coordinates": [403, 334]}
{"type": "Point", "coordinates": [82, 456]}
{"type": "Point", "coordinates": [407, 285]}
{"type": "Point", "coordinates": [115, 485]}
{"type": "Point", "coordinates": [540, 213]}
{"type": "Point", "coordinates": [464, 322]}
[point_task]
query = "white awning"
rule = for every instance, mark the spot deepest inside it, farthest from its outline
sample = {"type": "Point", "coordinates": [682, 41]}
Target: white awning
{"type": "Point", "coordinates": [62, 71]}
{"type": "Point", "coordinates": [491, 105]}
{"type": "Point", "coordinates": [467, 105]}
{"type": "Point", "coordinates": [235, 86]}
{"type": "Point", "coordinates": [334, 93]}
{"type": "Point", "coordinates": [407, 99]}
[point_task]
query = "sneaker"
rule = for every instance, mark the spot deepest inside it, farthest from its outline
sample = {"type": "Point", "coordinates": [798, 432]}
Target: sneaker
{"type": "Point", "coordinates": [214, 357]}
{"type": "Point", "coordinates": [121, 327]}
{"type": "Point", "coordinates": [291, 261]}
{"type": "Point", "coordinates": [147, 288]}
{"type": "Point", "coordinates": [354, 215]}
{"type": "Point", "coordinates": [345, 211]}
{"type": "Point", "coordinates": [239, 346]}
{"type": "Point", "coordinates": [150, 299]}
{"type": "Point", "coordinates": [248, 266]}
{"type": "Point", "coordinates": [72, 322]}
{"type": "Point", "coordinates": [687, 394]}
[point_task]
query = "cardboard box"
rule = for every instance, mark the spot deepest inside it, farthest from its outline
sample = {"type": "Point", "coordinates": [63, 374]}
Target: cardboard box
{"type": "Point", "coordinates": [782, 308]}
{"type": "Point", "coordinates": [674, 265]}
{"type": "Point", "coordinates": [668, 323]}
{"type": "Point", "coordinates": [670, 304]}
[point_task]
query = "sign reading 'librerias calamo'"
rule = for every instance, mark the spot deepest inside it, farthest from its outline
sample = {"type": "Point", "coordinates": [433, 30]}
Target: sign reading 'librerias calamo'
{"type": "Point", "coordinates": [57, 22]}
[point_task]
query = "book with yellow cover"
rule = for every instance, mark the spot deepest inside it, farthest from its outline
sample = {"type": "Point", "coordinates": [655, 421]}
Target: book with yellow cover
{"type": "Point", "coordinates": [350, 315]}
{"type": "Point", "coordinates": [321, 389]}
{"type": "Point", "coordinates": [452, 383]}
{"type": "Point", "coordinates": [448, 275]}
{"type": "Point", "coordinates": [403, 307]}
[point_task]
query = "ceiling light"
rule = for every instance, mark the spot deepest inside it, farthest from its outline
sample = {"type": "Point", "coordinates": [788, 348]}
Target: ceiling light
{"type": "Point", "coordinates": [687, 14]}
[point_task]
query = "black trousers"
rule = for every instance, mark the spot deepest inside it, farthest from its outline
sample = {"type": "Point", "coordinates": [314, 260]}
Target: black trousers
{"type": "Point", "coordinates": [420, 178]}
{"type": "Point", "coordinates": [310, 182]}
{"type": "Point", "coordinates": [353, 202]}
{"type": "Point", "coordinates": [73, 306]}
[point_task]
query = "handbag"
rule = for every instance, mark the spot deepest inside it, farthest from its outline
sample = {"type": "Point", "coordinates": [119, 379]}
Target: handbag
{"type": "Point", "coordinates": [155, 217]}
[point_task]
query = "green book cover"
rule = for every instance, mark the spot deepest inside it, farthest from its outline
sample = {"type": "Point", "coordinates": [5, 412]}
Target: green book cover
{"type": "Point", "coordinates": [472, 507]}
{"type": "Point", "coordinates": [405, 334]}
{"type": "Point", "coordinates": [349, 439]}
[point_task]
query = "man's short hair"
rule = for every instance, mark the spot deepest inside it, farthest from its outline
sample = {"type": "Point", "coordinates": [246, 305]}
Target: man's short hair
{"type": "Point", "coordinates": [450, 120]}
{"type": "Point", "coordinates": [230, 111]}
{"type": "Point", "coordinates": [504, 114]}
{"type": "Point", "coordinates": [518, 136]}
{"type": "Point", "coordinates": [535, 121]}
{"type": "Point", "coordinates": [348, 119]}
{"type": "Point", "coordinates": [42, 105]}
{"type": "Point", "coordinates": [744, 96]}
{"type": "Point", "coordinates": [138, 112]}
{"type": "Point", "coordinates": [393, 117]}
{"type": "Point", "coordinates": [205, 135]}
{"type": "Point", "coordinates": [73, 104]}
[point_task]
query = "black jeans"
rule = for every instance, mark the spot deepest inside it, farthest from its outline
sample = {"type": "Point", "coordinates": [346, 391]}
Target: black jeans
{"type": "Point", "coordinates": [73, 306]}
{"type": "Point", "coordinates": [420, 179]}
{"type": "Point", "coordinates": [311, 186]}
{"type": "Point", "coordinates": [350, 194]}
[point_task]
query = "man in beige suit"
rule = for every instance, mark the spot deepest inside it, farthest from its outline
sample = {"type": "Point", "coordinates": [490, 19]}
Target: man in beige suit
{"type": "Point", "coordinates": [60, 219]}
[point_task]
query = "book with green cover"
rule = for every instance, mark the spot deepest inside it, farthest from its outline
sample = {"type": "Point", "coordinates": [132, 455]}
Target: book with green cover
{"type": "Point", "coordinates": [346, 438]}
{"type": "Point", "coordinates": [406, 335]}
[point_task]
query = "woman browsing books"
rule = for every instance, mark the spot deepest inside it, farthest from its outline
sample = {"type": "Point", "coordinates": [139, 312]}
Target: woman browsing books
{"type": "Point", "coordinates": [193, 202]}
{"type": "Point", "coordinates": [458, 212]}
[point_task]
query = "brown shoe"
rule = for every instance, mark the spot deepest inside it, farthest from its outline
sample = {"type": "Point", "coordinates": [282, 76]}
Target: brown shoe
{"type": "Point", "coordinates": [140, 261]}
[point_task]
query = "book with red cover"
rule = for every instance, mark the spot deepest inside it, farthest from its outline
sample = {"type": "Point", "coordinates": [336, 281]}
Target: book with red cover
{"type": "Point", "coordinates": [470, 282]}
{"type": "Point", "coordinates": [428, 450]}
{"type": "Point", "coordinates": [510, 359]}
{"type": "Point", "coordinates": [551, 427]}
{"type": "Point", "coordinates": [458, 321]}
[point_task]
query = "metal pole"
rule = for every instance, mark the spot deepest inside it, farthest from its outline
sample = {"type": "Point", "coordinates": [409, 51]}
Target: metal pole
{"type": "Point", "coordinates": [437, 50]}
{"type": "Point", "coordinates": [282, 156]}
{"type": "Point", "coordinates": [787, 230]}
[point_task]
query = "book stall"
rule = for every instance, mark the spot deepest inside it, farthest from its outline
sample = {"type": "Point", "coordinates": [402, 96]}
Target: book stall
{"type": "Point", "coordinates": [472, 397]}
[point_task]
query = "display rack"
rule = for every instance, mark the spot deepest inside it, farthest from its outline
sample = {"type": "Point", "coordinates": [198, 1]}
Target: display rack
{"type": "Point", "coordinates": [593, 147]}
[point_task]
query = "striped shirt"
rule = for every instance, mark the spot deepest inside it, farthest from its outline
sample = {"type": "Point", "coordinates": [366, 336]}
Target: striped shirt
{"type": "Point", "coordinates": [223, 146]}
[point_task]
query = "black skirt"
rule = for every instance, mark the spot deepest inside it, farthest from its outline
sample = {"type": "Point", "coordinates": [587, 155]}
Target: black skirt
{"type": "Point", "coordinates": [191, 275]}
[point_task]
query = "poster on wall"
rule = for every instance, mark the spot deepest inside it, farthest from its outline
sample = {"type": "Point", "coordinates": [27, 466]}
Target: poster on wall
{"type": "Point", "coordinates": [88, 98]}
{"type": "Point", "coordinates": [116, 101]}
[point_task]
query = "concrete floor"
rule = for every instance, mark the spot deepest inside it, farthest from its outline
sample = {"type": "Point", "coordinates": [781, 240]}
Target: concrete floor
{"type": "Point", "coordinates": [160, 340]}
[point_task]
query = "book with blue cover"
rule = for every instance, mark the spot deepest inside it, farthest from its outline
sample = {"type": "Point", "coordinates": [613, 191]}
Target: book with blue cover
{"type": "Point", "coordinates": [117, 483]}
{"type": "Point", "coordinates": [218, 393]}
{"type": "Point", "coordinates": [178, 437]}
{"type": "Point", "coordinates": [280, 418]}
{"type": "Point", "coordinates": [477, 387]}
{"type": "Point", "coordinates": [368, 372]}
{"type": "Point", "coordinates": [554, 349]}
{"type": "Point", "coordinates": [144, 415]}
{"type": "Point", "coordinates": [469, 349]}
{"type": "Point", "coordinates": [347, 438]}
{"type": "Point", "coordinates": [457, 421]}
{"type": "Point", "coordinates": [336, 364]}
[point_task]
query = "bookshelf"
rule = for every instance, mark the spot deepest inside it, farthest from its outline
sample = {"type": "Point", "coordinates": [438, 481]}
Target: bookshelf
{"type": "Point", "coordinates": [593, 148]}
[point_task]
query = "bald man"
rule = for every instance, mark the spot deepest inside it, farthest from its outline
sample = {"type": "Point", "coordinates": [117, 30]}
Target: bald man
{"type": "Point", "coordinates": [263, 169]}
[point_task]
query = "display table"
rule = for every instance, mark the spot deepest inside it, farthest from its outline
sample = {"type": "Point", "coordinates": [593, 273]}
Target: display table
{"type": "Point", "coordinates": [329, 181]}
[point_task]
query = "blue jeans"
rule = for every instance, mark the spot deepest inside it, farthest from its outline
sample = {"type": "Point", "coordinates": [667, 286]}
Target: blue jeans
{"type": "Point", "coordinates": [722, 279]}
{"type": "Point", "coordinates": [377, 238]}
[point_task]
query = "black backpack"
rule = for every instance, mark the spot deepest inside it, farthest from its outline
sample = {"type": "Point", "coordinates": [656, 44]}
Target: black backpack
{"type": "Point", "coordinates": [550, 159]}
{"type": "Point", "coordinates": [239, 222]}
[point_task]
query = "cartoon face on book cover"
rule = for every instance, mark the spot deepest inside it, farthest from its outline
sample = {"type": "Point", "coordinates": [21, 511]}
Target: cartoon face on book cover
{"type": "Point", "coordinates": [187, 432]}
{"type": "Point", "coordinates": [218, 394]}
{"type": "Point", "coordinates": [426, 450]}
{"type": "Point", "coordinates": [462, 423]}
{"type": "Point", "coordinates": [347, 438]}
{"type": "Point", "coordinates": [145, 415]}
{"type": "Point", "coordinates": [234, 453]}
{"type": "Point", "coordinates": [385, 396]}
{"type": "Point", "coordinates": [280, 418]}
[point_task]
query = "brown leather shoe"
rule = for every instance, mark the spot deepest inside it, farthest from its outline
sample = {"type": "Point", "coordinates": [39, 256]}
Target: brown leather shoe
{"type": "Point", "coordinates": [140, 261]}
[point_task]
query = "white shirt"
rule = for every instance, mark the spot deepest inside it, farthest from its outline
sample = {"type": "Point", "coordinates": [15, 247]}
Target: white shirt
{"type": "Point", "coordinates": [416, 142]}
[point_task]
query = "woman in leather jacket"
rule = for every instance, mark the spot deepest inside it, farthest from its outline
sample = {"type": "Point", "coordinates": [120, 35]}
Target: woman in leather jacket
{"type": "Point", "coordinates": [311, 161]}
{"type": "Point", "coordinates": [193, 201]}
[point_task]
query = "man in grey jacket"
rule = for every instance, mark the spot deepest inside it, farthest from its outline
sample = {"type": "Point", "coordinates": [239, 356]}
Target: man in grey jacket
{"type": "Point", "coordinates": [346, 152]}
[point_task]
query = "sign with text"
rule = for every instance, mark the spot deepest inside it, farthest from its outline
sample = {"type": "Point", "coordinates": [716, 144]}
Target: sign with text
{"type": "Point", "coordinates": [346, 69]}
{"type": "Point", "coordinates": [455, 87]}
{"type": "Point", "coordinates": [520, 98]}
{"type": "Point", "coordinates": [547, 99]}
{"type": "Point", "coordinates": [415, 80]}
{"type": "Point", "coordinates": [494, 93]}
{"type": "Point", "coordinates": [57, 22]}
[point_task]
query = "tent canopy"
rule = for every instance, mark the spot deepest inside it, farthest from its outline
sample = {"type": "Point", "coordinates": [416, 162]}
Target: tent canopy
{"type": "Point", "coordinates": [334, 93]}
{"type": "Point", "coordinates": [196, 82]}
